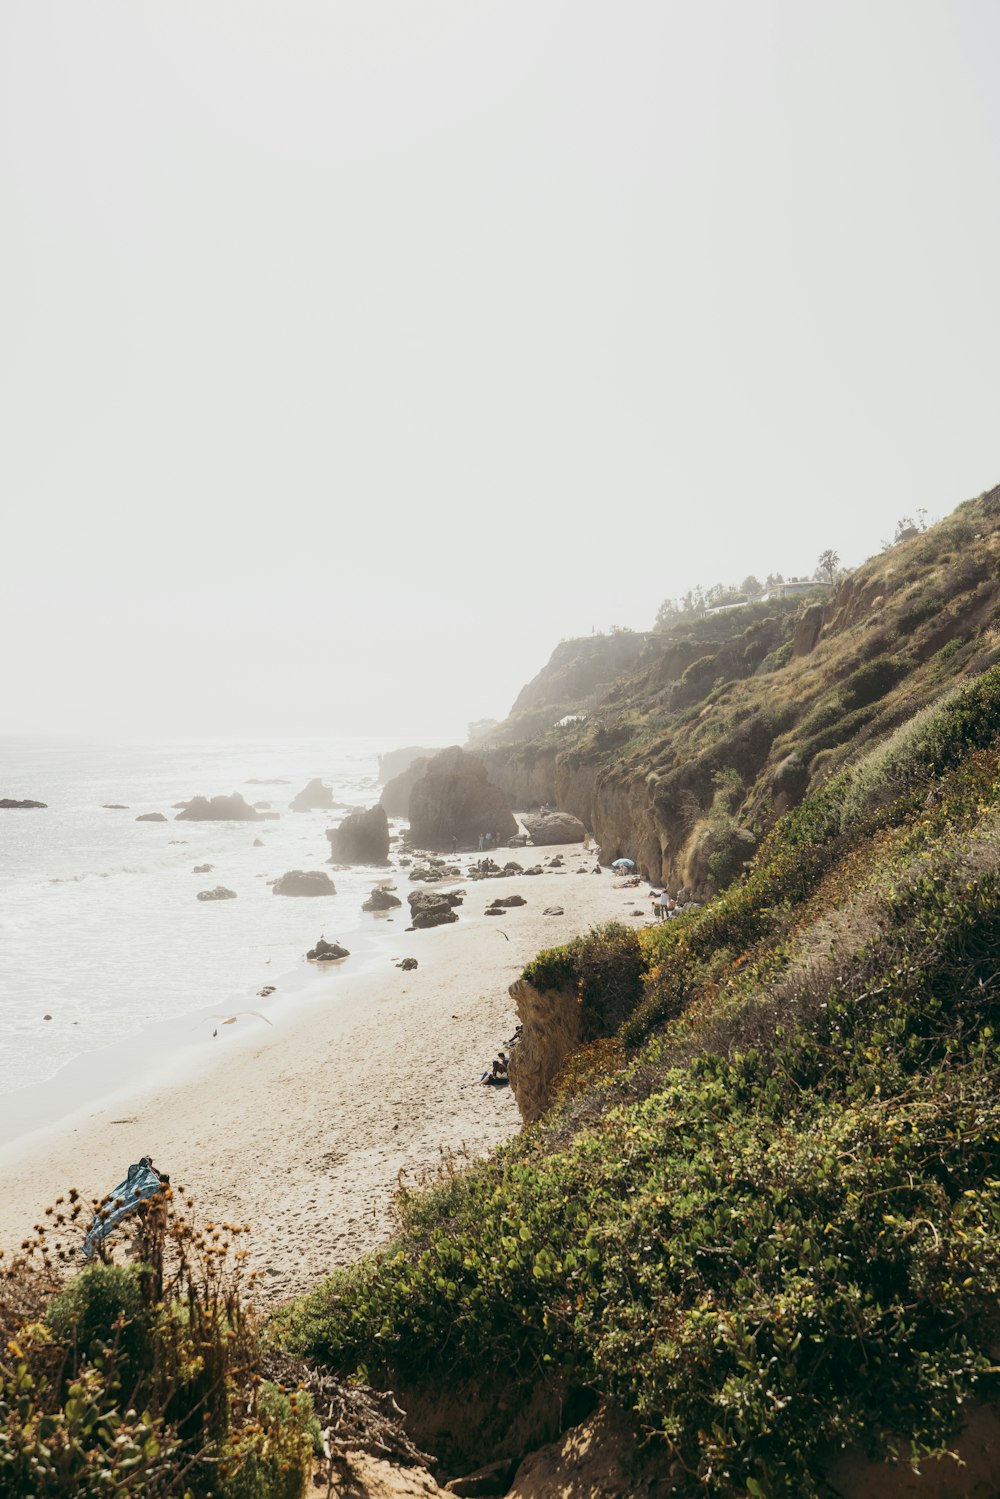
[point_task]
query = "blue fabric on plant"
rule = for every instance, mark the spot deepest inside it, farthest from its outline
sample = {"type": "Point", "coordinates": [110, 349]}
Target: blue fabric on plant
{"type": "Point", "coordinates": [143, 1181]}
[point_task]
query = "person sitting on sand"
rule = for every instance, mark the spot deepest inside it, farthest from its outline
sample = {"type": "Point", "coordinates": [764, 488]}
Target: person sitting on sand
{"type": "Point", "coordinates": [496, 1077]}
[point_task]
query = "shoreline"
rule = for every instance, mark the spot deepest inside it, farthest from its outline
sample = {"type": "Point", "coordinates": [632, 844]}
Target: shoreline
{"type": "Point", "coordinates": [303, 1129]}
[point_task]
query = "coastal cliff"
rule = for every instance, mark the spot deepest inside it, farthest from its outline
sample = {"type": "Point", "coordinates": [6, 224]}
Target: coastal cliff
{"type": "Point", "coordinates": [720, 723]}
{"type": "Point", "coordinates": [753, 1214]}
{"type": "Point", "coordinates": [747, 1241]}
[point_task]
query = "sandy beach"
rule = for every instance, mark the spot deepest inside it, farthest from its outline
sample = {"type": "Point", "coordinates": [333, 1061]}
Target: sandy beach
{"type": "Point", "coordinates": [302, 1129]}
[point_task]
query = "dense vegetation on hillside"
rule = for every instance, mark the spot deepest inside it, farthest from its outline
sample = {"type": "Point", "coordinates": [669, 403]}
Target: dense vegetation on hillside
{"type": "Point", "coordinates": [766, 1221]}
{"type": "Point", "coordinates": [762, 1216]}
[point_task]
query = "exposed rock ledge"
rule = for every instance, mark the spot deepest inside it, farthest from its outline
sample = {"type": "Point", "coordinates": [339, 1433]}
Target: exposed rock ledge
{"type": "Point", "coordinates": [552, 1028]}
{"type": "Point", "coordinates": [315, 796]}
{"type": "Point", "coordinates": [219, 809]}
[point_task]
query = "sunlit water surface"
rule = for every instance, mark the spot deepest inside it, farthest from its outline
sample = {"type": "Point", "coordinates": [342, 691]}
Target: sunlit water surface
{"type": "Point", "coordinates": [100, 928]}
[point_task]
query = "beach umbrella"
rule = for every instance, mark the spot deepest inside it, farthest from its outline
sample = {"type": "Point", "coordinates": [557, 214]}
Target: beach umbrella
{"type": "Point", "coordinates": [623, 864]}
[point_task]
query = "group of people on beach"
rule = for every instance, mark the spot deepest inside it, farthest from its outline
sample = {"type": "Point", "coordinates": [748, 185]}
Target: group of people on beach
{"type": "Point", "coordinates": [665, 907]}
{"type": "Point", "coordinates": [497, 1074]}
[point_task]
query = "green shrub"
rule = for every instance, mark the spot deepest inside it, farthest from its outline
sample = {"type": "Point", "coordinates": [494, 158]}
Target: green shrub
{"type": "Point", "coordinates": [721, 849]}
{"type": "Point", "coordinates": [610, 967]}
{"type": "Point", "coordinates": [791, 777]}
{"type": "Point", "coordinates": [270, 1458]}
{"type": "Point", "coordinates": [139, 1379]}
{"type": "Point", "coordinates": [699, 672]}
{"type": "Point", "coordinates": [873, 680]}
{"type": "Point", "coordinates": [554, 969]}
{"type": "Point", "coordinates": [823, 716]}
{"type": "Point", "coordinates": [766, 1256]}
{"type": "Point", "coordinates": [605, 968]}
{"type": "Point", "coordinates": [843, 728]}
{"type": "Point", "coordinates": [777, 658]}
{"type": "Point", "coordinates": [105, 1307]}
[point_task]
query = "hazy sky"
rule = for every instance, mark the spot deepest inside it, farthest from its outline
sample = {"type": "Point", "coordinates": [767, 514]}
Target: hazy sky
{"type": "Point", "coordinates": [351, 355]}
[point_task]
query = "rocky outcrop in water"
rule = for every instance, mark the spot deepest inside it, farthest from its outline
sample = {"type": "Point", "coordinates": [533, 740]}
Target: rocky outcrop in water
{"type": "Point", "coordinates": [151, 817]}
{"type": "Point", "coordinates": [314, 797]}
{"type": "Point", "coordinates": [8, 804]}
{"type": "Point", "coordinates": [455, 802]}
{"type": "Point", "coordinates": [219, 893]}
{"type": "Point", "coordinates": [381, 900]}
{"type": "Point", "coordinates": [327, 952]}
{"type": "Point", "coordinates": [219, 809]}
{"type": "Point", "coordinates": [362, 838]}
{"type": "Point", "coordinates": [304, 882]}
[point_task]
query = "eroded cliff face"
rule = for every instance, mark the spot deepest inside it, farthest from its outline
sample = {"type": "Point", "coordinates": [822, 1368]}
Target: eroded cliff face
{"type": "Point", "coordinates": [581, 669]}
{"type": "Point", "coordinates": [720, 724]}
{"type": "Point", "coordinates": [552, 1028]}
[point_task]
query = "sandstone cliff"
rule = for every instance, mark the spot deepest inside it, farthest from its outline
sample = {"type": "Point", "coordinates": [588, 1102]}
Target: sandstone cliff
{"type": "Point", "coordinates": [552, 1028]}
{"type": "Point", "coordinates": [717, 725]}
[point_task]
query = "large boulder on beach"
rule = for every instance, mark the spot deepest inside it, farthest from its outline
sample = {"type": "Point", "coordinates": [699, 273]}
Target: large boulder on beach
{"type": "Point", "coordinates": [327, 952]}
{"type": "Point", "coordinates": [304, 882]}
{"type": "Point", "coordinates": [314, 797]}
{"type": "Point", "coordinates": [433, 907]}
{"type": "Point", "coordinates": [362, 838]}
{"type": "Point", "coordinates": [381, 900]}
{"type": "Point", "coordinates": [455, 802]}
{"type": "Point", "coordinates": [395, 796]}
{"type": "Point", "coordinates": [554, 827]}
{"type": "Point", "coordinates": [219, 809]}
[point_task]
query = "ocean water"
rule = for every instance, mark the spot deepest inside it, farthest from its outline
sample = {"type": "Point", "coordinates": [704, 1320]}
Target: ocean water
{"type": "Point", "coordinates": [100, 928]}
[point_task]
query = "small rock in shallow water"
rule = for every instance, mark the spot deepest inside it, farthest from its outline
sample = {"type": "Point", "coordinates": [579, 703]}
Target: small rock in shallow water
{"type": "Point", "coordinates": [305, 882]}
{"type": "Point", "coordinates": [381, 900]}
{"type": "Point", "coordinates": [219, 893]}
{"type": "Point", "coordinates": [325, 952]}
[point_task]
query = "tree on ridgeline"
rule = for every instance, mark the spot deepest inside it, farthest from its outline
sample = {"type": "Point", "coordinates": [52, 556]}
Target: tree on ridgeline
{"type": "Point", "coordinates": [829, 561]}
